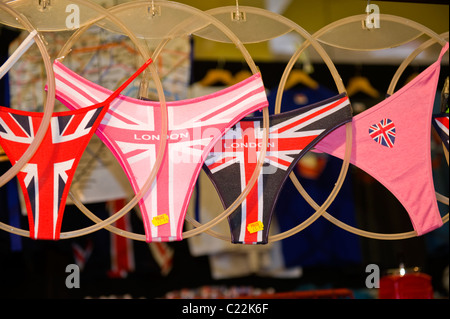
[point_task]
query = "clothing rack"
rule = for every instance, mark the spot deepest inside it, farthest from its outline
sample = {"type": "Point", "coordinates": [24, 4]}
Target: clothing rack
{"type": "Point", "coordinates": [208, 24]}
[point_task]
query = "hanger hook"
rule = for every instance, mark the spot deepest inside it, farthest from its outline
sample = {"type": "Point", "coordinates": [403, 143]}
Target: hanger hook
{"type": "Point", "coordinates": [237, 15]}
{"type": "Point", "coordinates": [153, 10]}
{"type": "Point", "coordinates": [43, 4]}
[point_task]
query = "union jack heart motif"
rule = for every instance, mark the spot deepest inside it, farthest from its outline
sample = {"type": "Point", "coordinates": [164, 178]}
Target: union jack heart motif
{"type": "Point", "coordinates": [383, 133]}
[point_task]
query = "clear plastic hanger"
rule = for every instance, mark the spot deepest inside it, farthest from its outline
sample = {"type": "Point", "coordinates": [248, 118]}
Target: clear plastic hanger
{"type": "Point", "coordinates": [277, 23]}
{"type": "Point", "coordinates": [425, 45]}
{"type": "Point", "coordinates": [23, 47]}
{"type": "Point", "coordinates": [328, 32]}
{"type": "Point", "coordinates": [51, 15]}
{"type": "Point", "coordinates": [50, 101]}
{"type": "Point", "coordinates": [175, 29]}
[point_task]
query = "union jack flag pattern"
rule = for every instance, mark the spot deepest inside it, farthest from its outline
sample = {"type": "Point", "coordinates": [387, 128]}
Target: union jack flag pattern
{"type": "Point", "coordinates": [383, 133]}
{"type": "Point", "coordinates": [440, 123]}
{"type": "Point", "coordinates": [233, 160]}
{"type": "Point", "coordinates": [45, 180]}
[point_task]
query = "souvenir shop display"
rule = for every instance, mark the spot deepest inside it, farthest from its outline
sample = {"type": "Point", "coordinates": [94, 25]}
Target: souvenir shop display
{"type": "Point", "coordinates": [243, 174]}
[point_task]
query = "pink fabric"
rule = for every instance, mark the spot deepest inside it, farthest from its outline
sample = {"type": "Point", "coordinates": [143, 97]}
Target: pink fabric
{"type": "Point", "coordinates": [131, 129]}
{"type": "Point", "coordinates": [405, 167]}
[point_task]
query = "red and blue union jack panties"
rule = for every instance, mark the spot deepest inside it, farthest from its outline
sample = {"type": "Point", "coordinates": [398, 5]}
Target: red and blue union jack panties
{"type": "Point", "coordinates": [233, 160]}
{"type": "Point", "coordinates": [45, 180]}
{"type": "Point", "coordinates": [131, 129]}
{"type": "Point", "coordinates": [391, 142]}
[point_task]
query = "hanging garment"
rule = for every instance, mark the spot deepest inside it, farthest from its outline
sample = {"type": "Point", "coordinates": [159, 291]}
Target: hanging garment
{"type": "Point", "coordinates": [205, 205]}
{"type": "Point", "coordinates": [233, 161]}
{"type": "Point", "coordinates": [45, 180]}
{"type": "Point", "coordinates": [132, 132]}
{"type": "Point", "coordinates": [391, 142]}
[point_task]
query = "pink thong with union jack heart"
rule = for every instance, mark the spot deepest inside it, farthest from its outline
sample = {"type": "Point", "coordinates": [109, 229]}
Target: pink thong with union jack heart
{"type": "Point", "coordinates": [233, 160]}
{"type": "Point", "coordinates": [45, 180]}
{"type": "Point", "coordinates": [391, 142]}
{"type": "Point", "coordinates": [131, 130]}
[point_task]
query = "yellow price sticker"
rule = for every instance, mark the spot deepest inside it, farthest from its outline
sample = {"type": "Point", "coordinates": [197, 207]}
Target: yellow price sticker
{"type": "Point", "coordinates": [160, 220]}
{"type": "Point", "coordinates": [255, 227]}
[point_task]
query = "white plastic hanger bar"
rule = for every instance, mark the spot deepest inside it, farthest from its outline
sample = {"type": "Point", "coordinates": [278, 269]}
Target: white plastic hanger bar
{"type": "Point", "coordinates": [23, 47]}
